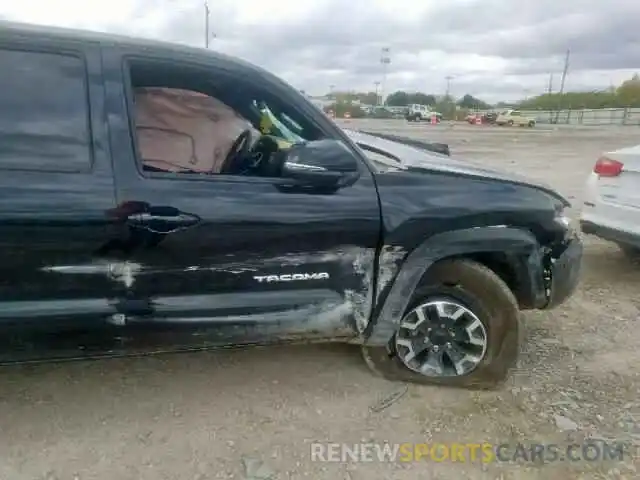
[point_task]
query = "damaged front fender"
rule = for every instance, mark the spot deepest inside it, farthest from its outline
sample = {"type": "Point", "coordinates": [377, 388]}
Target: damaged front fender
{"type": "Point", "coordinates": [563, 272]}
{"type": "Point", "coordinates": [519, 246]}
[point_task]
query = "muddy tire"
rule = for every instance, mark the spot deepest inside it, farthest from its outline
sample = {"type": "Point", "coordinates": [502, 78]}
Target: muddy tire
{"type": "Point", "coordinates": [480, 292]}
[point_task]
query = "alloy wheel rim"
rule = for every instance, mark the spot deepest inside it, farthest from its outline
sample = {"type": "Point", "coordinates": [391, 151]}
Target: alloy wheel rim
{"type": "Point", "coordinates": [441, 338]}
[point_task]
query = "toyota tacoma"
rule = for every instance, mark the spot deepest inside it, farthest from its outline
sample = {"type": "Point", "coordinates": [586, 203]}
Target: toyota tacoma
{"type": "Point", "coordinates": [157, 197]}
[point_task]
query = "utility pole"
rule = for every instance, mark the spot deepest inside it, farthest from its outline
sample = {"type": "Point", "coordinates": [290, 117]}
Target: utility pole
{"type": "Point", "coordinates": [206, 24]}
{"type": "Point", "coordinates": [549, 92]}
{"type": "Point", "coordinates": [564, 76]}
{"type": "Point", "coordinates": [448, 78]}
{"type": "Point", "coordinates": [385, 60]}
{"type": "Point", "coordinates": [449, 106]}
{"type": "Point", "coordinates": [207, 29]}
{"type": "Point", "coordinates": [564, 72]}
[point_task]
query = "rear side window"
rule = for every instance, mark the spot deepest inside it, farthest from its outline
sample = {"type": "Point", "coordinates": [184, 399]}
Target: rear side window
{"type": "Point", "coordinates": [44, 118]}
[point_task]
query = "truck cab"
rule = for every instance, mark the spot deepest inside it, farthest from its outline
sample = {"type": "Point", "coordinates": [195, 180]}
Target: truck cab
{"type": "Point", "coordinates": [417, 113]}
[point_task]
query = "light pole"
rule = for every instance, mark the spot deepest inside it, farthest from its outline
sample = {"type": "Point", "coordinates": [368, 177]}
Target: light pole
{"type": "Point", "coordinates": [331, 89]}
{"type": "Point", "coordinates": [448, 78]}
{"type": "Point", "coordinates": [385, 60]}
{"type": "Point", "coordinates": [206, 24]}
{"type": "Point", "coordinates": [377, 84]}
{"type": "Point", "coordinates": [207, 29]}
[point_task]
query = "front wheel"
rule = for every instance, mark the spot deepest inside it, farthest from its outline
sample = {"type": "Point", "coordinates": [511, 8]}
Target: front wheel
{"type": "Point", "coordinates": [461, 329]}
{"type": "Point", "coordinates": [531, 124]}
{"type": "Point", "coordinates": [510, 123]}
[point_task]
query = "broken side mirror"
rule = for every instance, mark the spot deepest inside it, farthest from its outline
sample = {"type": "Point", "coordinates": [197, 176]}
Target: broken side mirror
{"type": "Point", "coordinates": [321, 164]}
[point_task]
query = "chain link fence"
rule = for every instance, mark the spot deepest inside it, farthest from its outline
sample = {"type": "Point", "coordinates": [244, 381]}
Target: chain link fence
{"type": "Point", "coordinates": [602, 116]}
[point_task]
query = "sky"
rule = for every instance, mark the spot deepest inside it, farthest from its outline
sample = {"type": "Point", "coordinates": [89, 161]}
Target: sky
{"type": "Point", "coordinates": [493, 49]}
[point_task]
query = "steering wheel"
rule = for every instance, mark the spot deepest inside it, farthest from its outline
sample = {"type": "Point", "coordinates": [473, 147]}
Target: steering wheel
{"type": "Point", "coordinates": [238, 153]}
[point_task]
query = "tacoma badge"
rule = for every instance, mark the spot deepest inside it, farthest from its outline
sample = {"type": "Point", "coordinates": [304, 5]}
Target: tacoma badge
{"type": "Point", "coordinates": [292, 277]}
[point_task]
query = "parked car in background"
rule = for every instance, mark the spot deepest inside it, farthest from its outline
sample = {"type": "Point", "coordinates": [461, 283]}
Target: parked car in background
{"type": "Point", "coordinates": [487, 118]}
{"type": "Point", "coordinates": [397, 112]}
{"type": "Point", "coordinates": [514, 117]}
{"type": "Point", "coordinates": [382, 112]}
{"type": "Point", "coordinates": [418, 113]}
{"type": "Point", "coordinates": [611, 205]}
{"type": "Point", "coordinates": [474, 118]}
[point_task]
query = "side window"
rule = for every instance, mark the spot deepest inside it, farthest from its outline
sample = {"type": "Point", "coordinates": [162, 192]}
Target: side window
{"type": "Point", "coordinates": [188, 120]}
{"type": "Point", "coordinates": [515, 113]}
{"type": "Point", "coordinates": [44, 124]}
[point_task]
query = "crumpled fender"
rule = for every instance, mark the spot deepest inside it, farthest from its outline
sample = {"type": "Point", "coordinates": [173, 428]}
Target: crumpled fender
{"type": "Point", "coordinates": [521, 246]}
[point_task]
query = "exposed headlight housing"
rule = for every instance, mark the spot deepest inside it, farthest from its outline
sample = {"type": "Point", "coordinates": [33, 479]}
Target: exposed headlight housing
{"type": "Point", "coordinates": [561, 218]}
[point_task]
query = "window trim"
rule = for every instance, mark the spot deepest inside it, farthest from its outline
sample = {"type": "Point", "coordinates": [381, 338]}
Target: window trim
{"type": "Point", "coordinates": [60, 51]}
{"type": "Point", "coordinates": [127, 61]}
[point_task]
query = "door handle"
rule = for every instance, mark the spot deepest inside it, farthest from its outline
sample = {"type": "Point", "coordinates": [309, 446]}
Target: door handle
{"type": "Point", "coordinates": [162, 219]}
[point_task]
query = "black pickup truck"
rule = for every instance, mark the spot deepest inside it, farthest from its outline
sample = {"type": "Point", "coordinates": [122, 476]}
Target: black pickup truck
{"type": "Point", "coordinates": [304, 233]}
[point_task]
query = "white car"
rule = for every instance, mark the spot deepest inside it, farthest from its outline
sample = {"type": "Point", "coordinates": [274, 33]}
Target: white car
{"type": "Point", "coordinates": [514, 117]}
{"type": "Point", "coordinates": [611, 208]}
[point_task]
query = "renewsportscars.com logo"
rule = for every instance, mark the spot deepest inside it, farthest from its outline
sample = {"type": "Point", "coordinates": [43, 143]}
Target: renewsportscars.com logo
{"type": "Point", "coordinates": [590, 451]}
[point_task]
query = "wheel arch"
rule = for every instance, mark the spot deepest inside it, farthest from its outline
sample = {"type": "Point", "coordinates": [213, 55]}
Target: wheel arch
{"type": "Point", "coordinates": [512, 253]}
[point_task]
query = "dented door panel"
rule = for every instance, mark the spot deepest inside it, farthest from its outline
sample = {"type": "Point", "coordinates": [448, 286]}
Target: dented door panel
{"type": "Point", "coordinates": [259, 264]}
{"type": "Point", "coordinates": [296, 264]}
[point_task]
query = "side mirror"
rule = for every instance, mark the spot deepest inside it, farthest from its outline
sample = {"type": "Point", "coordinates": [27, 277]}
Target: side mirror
{"type": "Point", "coordinates": [320, 163]}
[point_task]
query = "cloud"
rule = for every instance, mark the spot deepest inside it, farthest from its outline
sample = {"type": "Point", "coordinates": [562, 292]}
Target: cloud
{"type": "Point", "coordinates": [496, 49]}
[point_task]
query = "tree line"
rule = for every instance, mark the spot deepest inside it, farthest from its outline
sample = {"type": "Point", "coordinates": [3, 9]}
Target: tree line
{"type": "Point", "coordinates": [627, 94]}
{"type": "Point", "coordinates": [402, 98]}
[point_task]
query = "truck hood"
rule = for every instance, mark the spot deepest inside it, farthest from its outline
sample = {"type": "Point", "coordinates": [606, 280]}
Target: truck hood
{"type": "Point", "coordinates": [392, 155]}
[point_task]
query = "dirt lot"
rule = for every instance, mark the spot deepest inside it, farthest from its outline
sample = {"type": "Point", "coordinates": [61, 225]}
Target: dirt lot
{"type": "Point", "coordinates": [216, 415]}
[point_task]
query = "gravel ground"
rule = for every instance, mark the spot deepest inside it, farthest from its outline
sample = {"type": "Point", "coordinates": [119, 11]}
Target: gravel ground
{"type": "Point", "coordinates": [253, 413]}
